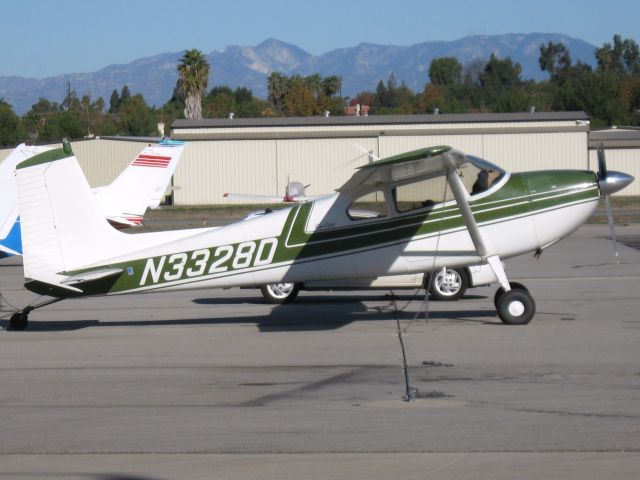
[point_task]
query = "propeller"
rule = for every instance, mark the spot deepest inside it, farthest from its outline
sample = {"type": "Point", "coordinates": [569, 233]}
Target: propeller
{"type": "Point", "coordinates": [610, 182]}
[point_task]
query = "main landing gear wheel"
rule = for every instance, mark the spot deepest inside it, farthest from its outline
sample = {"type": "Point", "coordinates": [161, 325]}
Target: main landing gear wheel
{"type": "Point", "coordinates": [280, 292]}
{"type": "Point", "coordinates": [515, 307]}
{"type": "Point", "coordinates": [450, 286]}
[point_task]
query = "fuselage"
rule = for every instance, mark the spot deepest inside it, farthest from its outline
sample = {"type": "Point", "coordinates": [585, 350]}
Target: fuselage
{"type": "Point", "coordinates": [320, 240]}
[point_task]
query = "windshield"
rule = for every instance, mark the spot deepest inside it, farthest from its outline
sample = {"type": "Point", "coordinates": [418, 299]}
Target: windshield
{"type": "Point", "coordinates": [479, 175]}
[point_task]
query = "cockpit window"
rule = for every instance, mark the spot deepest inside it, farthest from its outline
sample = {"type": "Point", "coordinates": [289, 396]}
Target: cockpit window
{"type": "Point", "coordinates": [422, 194]}
{"type": "Point", "coordinates": [372, 205]}
{"type": "Point", "coordinates": [478, 175]}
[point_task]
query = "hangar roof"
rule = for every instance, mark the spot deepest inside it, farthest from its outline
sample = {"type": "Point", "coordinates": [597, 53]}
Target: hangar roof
{"type": "Point", "coordinates": [374, 125]}
{"type": "Point", "coordinates": [617, 137]}
{"type": "Point", "coordinates": [379, 120]}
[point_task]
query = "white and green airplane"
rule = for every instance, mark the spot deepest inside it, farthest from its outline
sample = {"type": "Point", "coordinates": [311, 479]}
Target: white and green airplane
{"type": "Point", "coordinates": [414, 212]}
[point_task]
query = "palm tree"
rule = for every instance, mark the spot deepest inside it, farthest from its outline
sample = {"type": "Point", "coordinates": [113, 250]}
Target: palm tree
{"type": "Point", "coordinates": [192, 82]}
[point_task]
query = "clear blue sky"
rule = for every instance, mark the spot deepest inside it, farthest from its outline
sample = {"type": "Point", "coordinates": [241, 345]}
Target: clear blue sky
{"type": "Point", "coordinates": [42, 38]}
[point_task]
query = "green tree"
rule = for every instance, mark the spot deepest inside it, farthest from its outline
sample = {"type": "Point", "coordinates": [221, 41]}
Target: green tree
{"type": "Point", "coordinates": [554, 58]}
{"type": "Point", "coordinates": [12, 130]}
{"type": "Point", "coordinates": [243, 95]}
{"type": "Point", "coordinates": [193, 71]}
{"type": "Point", "coordinates": [277, 86]}
{"type": "Point", "coordinates": [125, 94]}
{"type": "Point", "coordinates": [70, 101]}
{"type": "Point", "coordinates": [114, 102]}
{"type": "Point", "coordinates": [248, 106]}
{"type": "Point", "coordinates": [499, 81]}
{"type": "Point", "coordinates": [621, 57]}
{"type": "Point", "coordinates": [300, 100]}
{"type": "Point", "coordinates": [499, 74]}
{"type": "Point", "coordinates": [219, 102]}
{"type": "Point", "coordinates": [61, 125]}
{"type": "Point", "coordinates": [136, 118]}
{"type": "Point", "coordinates": [445, 71]}
{"type": "Point", "coordinates": [331, 85]}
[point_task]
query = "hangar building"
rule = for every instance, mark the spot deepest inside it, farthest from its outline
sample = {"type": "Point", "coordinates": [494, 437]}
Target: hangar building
{"type": "Point", "coordinates": [258, 156]}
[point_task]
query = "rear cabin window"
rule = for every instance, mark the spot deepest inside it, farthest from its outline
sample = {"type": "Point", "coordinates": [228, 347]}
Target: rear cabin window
{"type": "Point", "coordinates": [372, 205]}
{"type": "Point", "coordinates": [422, 194]}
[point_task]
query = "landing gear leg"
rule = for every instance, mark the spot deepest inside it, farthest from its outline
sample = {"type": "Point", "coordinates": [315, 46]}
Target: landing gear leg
{"type": "Point", "coordinates": [20, 320]}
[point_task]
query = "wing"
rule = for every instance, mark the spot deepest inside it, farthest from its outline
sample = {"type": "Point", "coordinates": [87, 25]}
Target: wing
{"type": "Point", "coordinates": [250, 196]}
{"type": "Point", "coordinates": [407, 167]}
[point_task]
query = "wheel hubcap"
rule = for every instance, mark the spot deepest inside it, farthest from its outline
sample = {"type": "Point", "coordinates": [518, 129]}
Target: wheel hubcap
{"type": "Point", "coordinates": [448, 284]}
{"type": "Point", "coordinates": [281, 290]}
{"type": "Point", "coordinates": [516, 308]}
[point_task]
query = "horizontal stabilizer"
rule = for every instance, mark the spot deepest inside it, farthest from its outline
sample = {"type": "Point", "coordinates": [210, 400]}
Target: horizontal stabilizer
{"type": "Point", "coordinates": [91, 276]}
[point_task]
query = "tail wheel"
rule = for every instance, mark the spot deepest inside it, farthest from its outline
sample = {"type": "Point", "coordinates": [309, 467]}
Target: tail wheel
{"type": "Point", "coordinates": [515, 307]}
{"type": "Point", "coordinates": [280, 292]}
{"type": "Point", "coordinates": [19, 321]}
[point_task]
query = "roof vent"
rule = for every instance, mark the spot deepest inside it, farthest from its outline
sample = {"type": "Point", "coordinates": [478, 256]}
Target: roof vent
{"type": "Point", "coordinates": [231, 114]}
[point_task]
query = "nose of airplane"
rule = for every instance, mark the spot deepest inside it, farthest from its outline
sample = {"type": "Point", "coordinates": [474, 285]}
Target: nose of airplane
{"type": "Point", "coordinates": [613, 182]}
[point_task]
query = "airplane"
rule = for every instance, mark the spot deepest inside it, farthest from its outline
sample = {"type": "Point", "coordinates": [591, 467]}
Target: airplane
{"type": "Point", "coordinates": [294, 192]}
{"type": "Point", "coordinates": [123, 202]}
{"type": "Point", "coordinates": [70, 250]}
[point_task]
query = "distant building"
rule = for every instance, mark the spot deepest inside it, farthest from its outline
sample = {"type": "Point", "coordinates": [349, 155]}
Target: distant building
{"type": "Point", "coordinates": [261, 155]}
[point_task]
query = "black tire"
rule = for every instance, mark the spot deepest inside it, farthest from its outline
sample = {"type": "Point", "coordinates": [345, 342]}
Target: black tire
{"type": "Point", "coordinates": [451, 286]}
{"type": "Point", "coordinates": [516, 307]}
{"type": "Point", "coordinates": [279, 293]}
{"type": "Point", "coordinates": [500, 291]}
{"type": "Point", "coordinates": [19, 321]}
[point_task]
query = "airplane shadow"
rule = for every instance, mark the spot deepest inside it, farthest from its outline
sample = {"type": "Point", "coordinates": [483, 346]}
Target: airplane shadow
{"type": "Point", "coordinates": [310, 315]}
{"type": "Point", "coordinates": [318, 299]}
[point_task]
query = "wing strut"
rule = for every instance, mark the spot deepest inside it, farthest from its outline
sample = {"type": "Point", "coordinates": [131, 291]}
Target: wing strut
{"type": "Point", "coordinates": [462, 199]}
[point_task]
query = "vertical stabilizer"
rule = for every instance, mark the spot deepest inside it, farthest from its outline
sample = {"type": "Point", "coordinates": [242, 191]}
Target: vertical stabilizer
{"type": "Point", "coordinates": [62, 226]}
{"type": "Point", "coordinates": [141, 185]}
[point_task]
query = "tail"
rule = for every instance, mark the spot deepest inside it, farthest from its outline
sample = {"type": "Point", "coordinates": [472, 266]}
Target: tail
{"type": "Point", "coordinates": [63, 227]}
{"type": "Point", "coordinates": [141, 185]}
{"type": "Point", "coordinates": [10, 241]}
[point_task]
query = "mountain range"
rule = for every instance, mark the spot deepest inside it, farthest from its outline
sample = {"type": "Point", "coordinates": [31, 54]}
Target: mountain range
{"type": "Point", "coordinates": [361, 67]}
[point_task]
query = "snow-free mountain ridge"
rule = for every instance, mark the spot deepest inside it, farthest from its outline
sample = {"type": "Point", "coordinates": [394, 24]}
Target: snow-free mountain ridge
{"type": "Point", "coordinates": [361, 67]}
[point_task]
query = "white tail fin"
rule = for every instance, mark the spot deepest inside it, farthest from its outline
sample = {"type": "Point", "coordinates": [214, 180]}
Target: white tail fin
{"type": "Point", "coordinates": [141, 185]}
{"type": "Point", "coordinates": [63, 227]}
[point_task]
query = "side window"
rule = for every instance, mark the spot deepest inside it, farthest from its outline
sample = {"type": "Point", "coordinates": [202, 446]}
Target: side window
{"type": "Point", "coordinates": [372, 205]}
{"type": "Point", "coordinates": [422, 194]}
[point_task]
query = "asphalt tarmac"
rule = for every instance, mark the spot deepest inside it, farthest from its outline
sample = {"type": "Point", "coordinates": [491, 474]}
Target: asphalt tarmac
{"type": "Point", "coordinates": [211, 384]}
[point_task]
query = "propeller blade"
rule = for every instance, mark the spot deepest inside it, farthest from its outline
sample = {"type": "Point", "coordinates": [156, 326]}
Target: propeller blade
{"type": "Point", "coordinates": [602, 163]}
{"type": "Point", "coordinates": [612, 230]}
